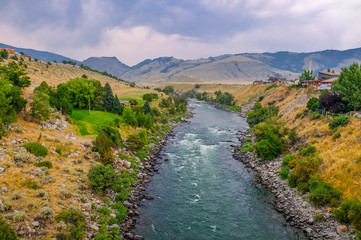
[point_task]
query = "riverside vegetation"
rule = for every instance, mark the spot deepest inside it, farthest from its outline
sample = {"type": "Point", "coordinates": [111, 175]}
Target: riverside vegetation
{"type": "Point", "coordinates": [74, 181]}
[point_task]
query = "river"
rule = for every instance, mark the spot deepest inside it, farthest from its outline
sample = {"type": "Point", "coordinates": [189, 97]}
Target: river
{"type": "Point", "coordinates": [202, 192]}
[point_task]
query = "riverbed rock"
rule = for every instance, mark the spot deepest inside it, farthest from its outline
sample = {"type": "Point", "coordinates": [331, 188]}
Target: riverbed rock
{"type": "Point", "coordinates": [341, 228]}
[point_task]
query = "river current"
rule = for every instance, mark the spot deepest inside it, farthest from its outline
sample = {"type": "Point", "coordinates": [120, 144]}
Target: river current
{"type": "Point", "coordinates": [202, 192]}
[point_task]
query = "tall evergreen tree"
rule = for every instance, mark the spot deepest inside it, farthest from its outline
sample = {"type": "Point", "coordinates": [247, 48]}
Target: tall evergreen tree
{"type": "Point", "coordinates": [108, 98]}
{"type": "Point", "coordinates": [117, 108]}
{"type": "Point", "coordinates": [146, 108]}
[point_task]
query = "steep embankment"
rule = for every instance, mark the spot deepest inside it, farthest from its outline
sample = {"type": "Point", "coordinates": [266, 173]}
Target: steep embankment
{"type": "Point", "coordinates": [340, 156]}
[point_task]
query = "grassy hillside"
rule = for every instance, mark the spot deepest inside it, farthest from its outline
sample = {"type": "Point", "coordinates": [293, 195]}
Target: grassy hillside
{"type": "Point", "coordinates": [36, 189]}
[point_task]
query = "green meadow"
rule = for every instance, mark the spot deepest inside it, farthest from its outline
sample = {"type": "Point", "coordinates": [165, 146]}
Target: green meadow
{"type": "Point", "coordinates": [89, 124]}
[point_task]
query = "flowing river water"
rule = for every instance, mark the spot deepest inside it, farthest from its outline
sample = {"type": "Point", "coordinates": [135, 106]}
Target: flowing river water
{"type": "Point", "coordinates": [202, 192]}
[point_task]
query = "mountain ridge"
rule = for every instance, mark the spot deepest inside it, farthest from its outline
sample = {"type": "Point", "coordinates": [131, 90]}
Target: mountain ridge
{"type": "Point", "coordinates": [240, 67]}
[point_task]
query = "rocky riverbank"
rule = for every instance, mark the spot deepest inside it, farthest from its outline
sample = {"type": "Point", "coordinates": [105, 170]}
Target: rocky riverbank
{"type": "Point", "coordinates": [297, 210]}
{"type": "Point", "coordinates": [147, 169]}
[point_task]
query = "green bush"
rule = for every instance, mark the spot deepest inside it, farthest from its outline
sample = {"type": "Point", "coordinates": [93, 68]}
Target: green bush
{"type": "Point", "coordinates": [75, 220]}
{"type": "Point", "coordinates": [121, 211]}
{"type": "Point", "coordinates": [30, 184]}
{"type": "Point", "coordinates": [113, 134]}
{"type": "Point", "coordinates": [248, 140]}
{"type": "Point", "coordinates": [305, 168]}
{"type": "Point", "coordinates": [260, 114]}
{"type": "Point", "coordinates": [313, 104]}
{"type": "Point", "coordinates": [36, 148]}
{"type": "Point", "coordinates": [322, 193]}
{"type": "Point", "coordinates": [308, 151]}
{"type": "Point", "coordinates": [103, 145]}
{"type": "Point", "coordinates": [339, 122]}
{"type": "Point", "coordinates": [349, 212]}
{"type": "Point", "coordinates": [46, 164]}
{"type": "Point", "coordinates": [287, 159]}
{"type": "Point", "coordinates": [102, 177]}
{"type": "Point", "coordinates": [284, 173]}
{"type": "Point", "coordinates": [336, 135]}
{"type": "Point", "coordinates": [134, 142]}
{"type": "Point", "coordinates": [247, 148]}
{"type": "Point", "coordinates": [6, 232]}
{"type": "Point", "coordinates": [318, 217]}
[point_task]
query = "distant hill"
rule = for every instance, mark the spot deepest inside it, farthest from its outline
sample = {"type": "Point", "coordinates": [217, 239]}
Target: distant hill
{"type": "Point", "coordinates": [236, 68]}
{"type": "Point", "coordinates": [109, 64]}
{"type": "Point", "coordinates": [41, 55]}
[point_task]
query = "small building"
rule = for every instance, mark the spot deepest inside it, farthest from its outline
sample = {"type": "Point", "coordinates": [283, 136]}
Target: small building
{"type": "Point", "coordinates": [311, 83]}
{"type": "Point", "coordinates": [326, 84]}
{"type": "Point", "coordinates": [327, 75]}
{"type": "Point", "coordinates": [124, 103]}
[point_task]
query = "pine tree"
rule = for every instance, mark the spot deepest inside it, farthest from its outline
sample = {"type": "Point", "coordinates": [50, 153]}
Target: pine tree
{"type": "Point", "coordinates": [117, 108]}
{"type": "Point", "coordinates": [108, 98]}
{"type": "Point", "coordinates": [146, 108]}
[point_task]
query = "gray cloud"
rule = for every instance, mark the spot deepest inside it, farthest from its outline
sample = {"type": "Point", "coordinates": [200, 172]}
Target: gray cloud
{"type": "Point", "coordinates": [134, 30]}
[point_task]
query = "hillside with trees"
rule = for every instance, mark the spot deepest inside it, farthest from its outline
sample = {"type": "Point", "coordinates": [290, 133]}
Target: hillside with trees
{"type": "Point", "coordinates": [70, 153]}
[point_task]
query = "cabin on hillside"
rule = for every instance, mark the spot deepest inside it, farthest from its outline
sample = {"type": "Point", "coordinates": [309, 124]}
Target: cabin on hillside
{"type": "Point", "coordinates": [124, 103]}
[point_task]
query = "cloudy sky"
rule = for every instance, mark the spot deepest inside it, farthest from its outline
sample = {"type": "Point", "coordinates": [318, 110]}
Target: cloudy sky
{"type": "Point", "coordinates": [134, 30]}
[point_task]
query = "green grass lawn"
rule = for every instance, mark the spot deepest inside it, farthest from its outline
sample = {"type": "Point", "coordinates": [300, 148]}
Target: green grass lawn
{"type": "Point", "coordinates": [89, 124]}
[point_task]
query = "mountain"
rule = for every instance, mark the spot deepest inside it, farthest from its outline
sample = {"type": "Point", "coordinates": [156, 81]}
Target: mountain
{"type": "Point", "coordinates": [244, 67]}
{"type": "Point", "coordinates": [241, 68]}
{"type": "Point", "coordinates": [41, 55]}
{"type": "Point", "coordinates": [108, 64]}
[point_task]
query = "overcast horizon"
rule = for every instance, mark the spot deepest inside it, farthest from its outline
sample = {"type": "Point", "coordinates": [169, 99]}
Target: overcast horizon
{"type": "Point", "coordinates": [135, 30]}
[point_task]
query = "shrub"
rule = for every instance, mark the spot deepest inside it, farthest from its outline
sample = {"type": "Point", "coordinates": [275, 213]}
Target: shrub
{"type": "Point", "coordinates": [43, 194]}
{"type": "Point", "coordinates": [46, 164]}
{"type": "Point", "coordinates": [247, 148]}
{"type": "Point", "coordinates": [331, 102]}
{"type": "Point", "coordinates": [349, 212]}
{"type": "Point", "coordinates": [308, 151]}
{"type": "Point", "coordinates": [305, 168]}
{"type": "Point", "coordinates": [16, 196]}
{"type": "Point", "coordinates": [6, 206]}
{"type": "Point", "coordinates": [121, 211]}
{"type": "Point", "coordinates": [75, 219]}
{"type": "Point", "coordinates": [339, 122]}
{"type": "Point", "coordinates": [260, 114]}
{"type": "Point", "coordinates": [20, 159]}
{"type": "Point", "coordinates": [6, 232]}
{"type": "Point", "coordinates": [46, 213]}
{"type": "Point", "coordinates": [284, 173]}
{"type": "Point", "coordinates": [318, 217]}
{"type": "Point", "coordinates": [113, 134]}
{"type": "Point", "coordinates": [248, 140]}
{"type": "Point", "coordinates": [36, 148]}
{"type": "Point", "coordinates": [19, 216]}
{"type": "Point", "coordinates": [336, 135]}
{"type": "Point", "coordinates": [322, 193]}
{"type": "Point", "coordinates": [134, 142]}
{"type": "Point", "coordinates": [102, 177]}
{"type": "Point", "coordinates": [30, 184]}
{"type": "Point", "coordinates": [287, 159]}
{"type": "Point", "coordinates": [313, 104]}
{"type": "Point", "coordinates": [103, 145]}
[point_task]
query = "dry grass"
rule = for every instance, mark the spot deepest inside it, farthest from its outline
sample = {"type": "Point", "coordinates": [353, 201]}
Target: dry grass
{"type": "Point", "coordinates": [65, 168]}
